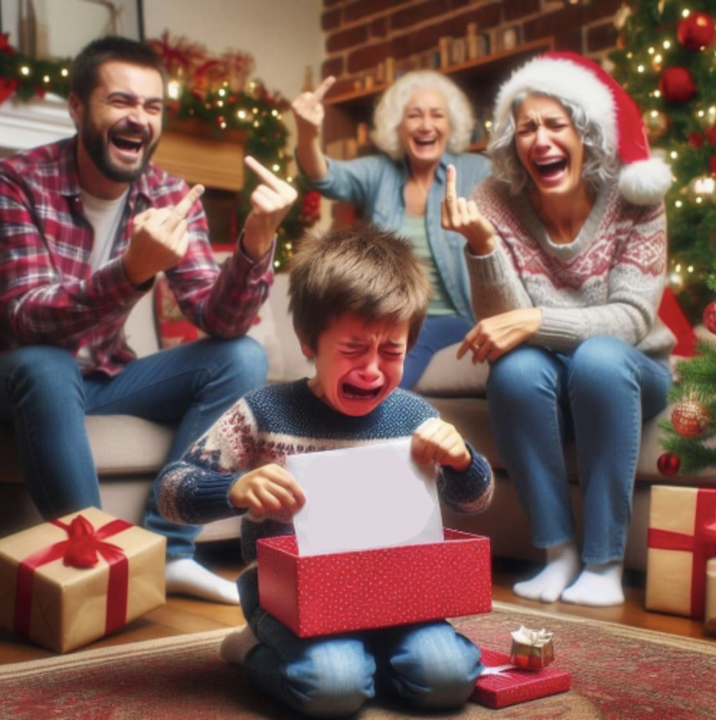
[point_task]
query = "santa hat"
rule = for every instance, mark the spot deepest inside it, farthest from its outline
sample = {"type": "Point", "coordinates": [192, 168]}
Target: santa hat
{"type": "Point", "coordinates": [643, 179]}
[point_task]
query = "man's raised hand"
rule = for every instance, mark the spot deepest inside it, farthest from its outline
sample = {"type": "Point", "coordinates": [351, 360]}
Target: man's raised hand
{"type": "Point", "coordinates": [159, 238]}
{"type": "Point", "coordinates": [308, 108]}
{"type": "Point", "coordinates": [270, 202]}
{"type": "Point", "coordinates": [462, 216]}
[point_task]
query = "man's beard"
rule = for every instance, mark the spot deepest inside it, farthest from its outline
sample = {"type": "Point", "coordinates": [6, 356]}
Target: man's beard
{"type": "Point", "coordinates": [97, 148]}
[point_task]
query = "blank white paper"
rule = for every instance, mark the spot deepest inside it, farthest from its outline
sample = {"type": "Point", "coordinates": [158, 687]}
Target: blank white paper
{"type": "Point", "coordinates": [362, 498]}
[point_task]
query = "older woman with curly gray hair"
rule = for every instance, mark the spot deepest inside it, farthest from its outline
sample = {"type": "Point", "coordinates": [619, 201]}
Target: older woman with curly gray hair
{"type": "Point", "coordinates": [567, 260]}
{"type": "Point", "coordinates": [422, 124]}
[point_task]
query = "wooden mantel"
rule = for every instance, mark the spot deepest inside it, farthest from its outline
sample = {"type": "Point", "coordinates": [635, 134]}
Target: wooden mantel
{"type": "Point", "coordinates": [190, 150]}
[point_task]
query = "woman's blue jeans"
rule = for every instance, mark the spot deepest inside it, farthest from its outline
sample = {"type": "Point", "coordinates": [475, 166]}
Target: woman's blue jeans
{"type": "Point", "coordinates": [437, 333]}
{"type": "Point", "coordinates": [427, 665]}
{"type": "Point", "coordinates": [45, 398]}
{"type": "Point", "coordinates": [598, 395]}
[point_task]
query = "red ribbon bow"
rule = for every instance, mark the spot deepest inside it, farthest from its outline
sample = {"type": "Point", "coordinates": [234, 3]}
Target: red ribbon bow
{"type": "Point", "coordinates": [82, 549]}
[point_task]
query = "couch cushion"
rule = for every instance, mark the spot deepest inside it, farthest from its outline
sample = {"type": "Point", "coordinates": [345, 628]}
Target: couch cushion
{"type": "Point", "coordinates": [446, 376]}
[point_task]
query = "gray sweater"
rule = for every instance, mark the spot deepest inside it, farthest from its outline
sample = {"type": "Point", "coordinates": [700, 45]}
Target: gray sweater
{"type": "Point", "coordinates": [608, 281]}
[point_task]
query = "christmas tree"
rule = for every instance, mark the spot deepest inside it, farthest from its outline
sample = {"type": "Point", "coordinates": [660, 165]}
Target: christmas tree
{"type": "Point", "coordinates": [666, 60]}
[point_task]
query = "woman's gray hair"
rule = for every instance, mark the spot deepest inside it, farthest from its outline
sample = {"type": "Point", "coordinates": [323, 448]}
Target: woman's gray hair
{"type": "Point", "coordinates": [601, 162]}
{"type": "Point", "coordinates": [391, 108]}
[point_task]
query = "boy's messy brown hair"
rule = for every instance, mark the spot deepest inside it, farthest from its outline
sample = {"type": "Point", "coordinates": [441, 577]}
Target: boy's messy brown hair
{"type": "Point", "coordinates": [363, 269]}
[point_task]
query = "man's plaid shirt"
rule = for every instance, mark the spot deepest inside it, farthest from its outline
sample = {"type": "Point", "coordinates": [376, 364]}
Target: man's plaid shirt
{"type": "Point", "coordinates": [48, 293]}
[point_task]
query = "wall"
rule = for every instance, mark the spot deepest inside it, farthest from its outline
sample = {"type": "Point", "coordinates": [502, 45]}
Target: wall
{"type": "Point", "coordinates": [360, 34]}
{"type": "Point", "coordinates": [284, 36]}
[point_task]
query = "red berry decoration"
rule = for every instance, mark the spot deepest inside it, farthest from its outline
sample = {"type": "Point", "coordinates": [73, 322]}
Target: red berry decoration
{"type": "Point", "coordinates": [697, 31]}
{"type": "Point", "coordinates": [668, 464]}
{"type": "Point", "coordinates": [677, 84]}
{"type": "Point", "coordinates": [690, 418]}
{"type": "Point", "coordinates": [709, 317]}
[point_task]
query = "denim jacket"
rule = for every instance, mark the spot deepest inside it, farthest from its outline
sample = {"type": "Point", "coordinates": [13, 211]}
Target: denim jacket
{"type": "Point", "coordinates": [376, 184]}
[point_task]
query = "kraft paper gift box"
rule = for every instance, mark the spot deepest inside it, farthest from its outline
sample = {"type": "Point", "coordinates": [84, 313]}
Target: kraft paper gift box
{"type": "Point", "coordinates": [711, 596]}
{"type": "Point", "coordinates": [68, 582]}
{"type": "Point", "coordinates": [515, 685]}
{"type": "Point", "coordinates": [343, 592]}
{"type": "Point", "coordinates": [682, 537]}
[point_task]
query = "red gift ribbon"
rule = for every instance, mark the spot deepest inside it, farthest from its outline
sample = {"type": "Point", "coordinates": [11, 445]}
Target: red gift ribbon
{"type": "Point", "coordinates": [80, 550]}
{"type": "Point", "coordinates": [702, 544]}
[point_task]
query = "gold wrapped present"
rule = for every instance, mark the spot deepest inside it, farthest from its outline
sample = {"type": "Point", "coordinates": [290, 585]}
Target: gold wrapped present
{"type": "Point", "coordinates": [67, 582]}
{"type": "Point", "coordinates": [531, 649]}
{"type": "Point", "coordinates": [711, 596]}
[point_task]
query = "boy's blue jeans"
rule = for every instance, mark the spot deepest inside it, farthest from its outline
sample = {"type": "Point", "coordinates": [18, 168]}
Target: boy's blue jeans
{"type": "Point", "coordinates": [599, 395]}
{"type": "Point", "coordinates": [428, 665]}
{"type": "Point", "coordinates": [45, 397]}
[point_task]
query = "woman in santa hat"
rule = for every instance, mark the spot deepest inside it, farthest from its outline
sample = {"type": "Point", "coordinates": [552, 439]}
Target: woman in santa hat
{"type": "Point", "coordinates": [567, 260]}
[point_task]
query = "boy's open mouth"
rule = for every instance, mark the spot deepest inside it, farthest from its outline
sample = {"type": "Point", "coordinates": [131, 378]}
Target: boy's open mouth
{"type": "Point", "coordinates": [354, 392]}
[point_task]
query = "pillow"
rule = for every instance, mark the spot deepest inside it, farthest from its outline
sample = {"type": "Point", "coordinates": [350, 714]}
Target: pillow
{"type": "Point", "coordinates": [446, 376]}
{"type": "Point", "coordinates": [174, 329]}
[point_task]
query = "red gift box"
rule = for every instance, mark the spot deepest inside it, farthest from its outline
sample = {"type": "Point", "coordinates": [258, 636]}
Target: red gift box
{"type": "Point", "coordinates": [516, 685]}
{"type": "Point", "coordinates": [342, 592]}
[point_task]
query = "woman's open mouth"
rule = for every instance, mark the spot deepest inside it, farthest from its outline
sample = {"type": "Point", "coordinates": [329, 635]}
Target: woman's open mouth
{"type": "Point", "coordinates": [550, 168]}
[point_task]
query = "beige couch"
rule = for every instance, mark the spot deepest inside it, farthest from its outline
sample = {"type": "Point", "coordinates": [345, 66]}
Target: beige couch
{"type": "Point", "coordinates": [128, 452]}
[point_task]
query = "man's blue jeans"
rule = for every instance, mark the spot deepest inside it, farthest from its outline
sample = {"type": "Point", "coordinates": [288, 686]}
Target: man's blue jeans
{"type": "Point", "coordinates": [45, 397]}
{"type": "Point", "coordinates": [599, 395]}
{"type": "Point", "coordinates": [428, 665]}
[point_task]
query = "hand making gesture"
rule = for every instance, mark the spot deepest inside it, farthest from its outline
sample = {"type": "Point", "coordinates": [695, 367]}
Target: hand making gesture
{"type": "Point", "coordinates": [462, 216]}
{"type": "Point", "coordinates": [159, 238]}
{"type": "Point", "coordinates": [308, 108]}
{"type": "Point", "coordinates": [270, 202]}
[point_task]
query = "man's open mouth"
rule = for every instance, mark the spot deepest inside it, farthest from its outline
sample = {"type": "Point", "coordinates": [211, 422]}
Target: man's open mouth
{"type": "Point", "coordinates": [127, 144]}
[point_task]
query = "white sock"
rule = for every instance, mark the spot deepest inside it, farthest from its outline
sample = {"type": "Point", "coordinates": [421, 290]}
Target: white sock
{"type": "Point", "coordinates": [563, 564]}
{"type": "Point", "coordinates": [598, 585]}
{"type": "Point", "coordinates": [187, 577]}
{"type": "Point", "coordinates": [236, 645]}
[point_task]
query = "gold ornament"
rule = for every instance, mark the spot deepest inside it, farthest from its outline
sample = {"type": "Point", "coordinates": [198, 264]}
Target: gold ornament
{"type": "Point", "coordinates": [690, 418]}
{"type": "Point", "coordinates": [656, 123]}
{"type": "Point", "coordinates": [621, 16]}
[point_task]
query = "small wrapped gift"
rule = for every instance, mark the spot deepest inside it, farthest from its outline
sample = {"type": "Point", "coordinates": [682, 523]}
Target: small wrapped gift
{"type": "Point", "coordinates": [503, 684]}
{"type": "Point", "coordinates": [531, 649]}
{"type": "Point", "coordinates": [682, 537]}
{"type": "Point", "coordinates": [67, 582]}
{"type": "Point", "coordinates": [711, 596]}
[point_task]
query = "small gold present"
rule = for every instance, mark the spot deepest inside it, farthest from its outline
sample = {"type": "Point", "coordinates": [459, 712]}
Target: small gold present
{"type": "Point", "coordinates": [531, 649]}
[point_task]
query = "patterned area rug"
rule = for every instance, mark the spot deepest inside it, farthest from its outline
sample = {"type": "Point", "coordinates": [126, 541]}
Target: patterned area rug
{"type": "Point", "coordinates": [617, 672]}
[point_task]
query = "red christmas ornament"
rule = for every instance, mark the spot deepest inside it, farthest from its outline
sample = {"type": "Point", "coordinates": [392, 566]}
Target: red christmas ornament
{"type": "Point", "coordinates": [668, 464]}
{"type": "Point", "coordinates": [709, 317]}
{"type": "Point", "coordinates": [697, 31]}
{"type": "Point", "coordinates": [677, 84]}
{"type": "Point", "coordinates": [690, 418]}
{"type": "Point", "coordinates": [712, 163]}
{"type": "Point", "coordinates": [696, 140]}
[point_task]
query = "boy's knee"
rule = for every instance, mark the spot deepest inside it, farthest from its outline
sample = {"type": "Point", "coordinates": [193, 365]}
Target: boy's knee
{"type": "Point", "coordinates": [332, 686]}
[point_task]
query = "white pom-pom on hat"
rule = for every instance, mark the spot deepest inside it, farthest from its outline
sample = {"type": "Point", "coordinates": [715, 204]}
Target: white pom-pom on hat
{"type": "Point", "coordinates": [643, 179]}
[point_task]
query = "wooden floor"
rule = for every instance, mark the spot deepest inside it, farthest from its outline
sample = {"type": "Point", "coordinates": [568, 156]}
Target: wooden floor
{"type": "Point", "coordinates": [183, 615]}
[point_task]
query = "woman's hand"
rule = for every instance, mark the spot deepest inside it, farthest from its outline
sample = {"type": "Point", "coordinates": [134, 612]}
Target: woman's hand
{"type": "Point", "coordinates": [462, 216]}
{"type": "Point", "coordinates": [436, 441]}
{"type": "Point", "coordinates": [270, 489]}
{"type": "Point", "coordinates": [493, 337]}
{"type": "Point", "coordinates": [308, 109]}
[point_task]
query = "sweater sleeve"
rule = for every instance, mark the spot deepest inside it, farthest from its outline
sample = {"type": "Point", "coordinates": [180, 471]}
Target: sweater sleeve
{"type": "Point", "coordinates": [195, 489]}
{"type": "Point", "coordinates": [469, 491]}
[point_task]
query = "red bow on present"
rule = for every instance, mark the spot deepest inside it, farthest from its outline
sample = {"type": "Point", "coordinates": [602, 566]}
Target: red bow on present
{"type": "Point", "coordinates": [82, 549]}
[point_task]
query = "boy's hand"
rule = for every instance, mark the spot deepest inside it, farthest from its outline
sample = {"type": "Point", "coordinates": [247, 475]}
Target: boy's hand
{"type": "Point", "coordinates": [439, 442]}
{"type": "Point", "coordinates": [270, 489]}
{"type": "Point", "coordinates": [462, 216]}
{"type": "Point", "coordinates": [270, 202]}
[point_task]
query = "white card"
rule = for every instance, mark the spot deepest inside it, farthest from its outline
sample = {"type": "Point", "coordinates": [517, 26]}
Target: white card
{"type": "Point", "coordinates": [362, 498]}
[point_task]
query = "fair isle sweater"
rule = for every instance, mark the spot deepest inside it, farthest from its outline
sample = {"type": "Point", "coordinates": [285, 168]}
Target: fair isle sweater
{"type": "Point", "coordinates": [608, 281]}
{"type": "Point", "coordinates": [275, 421]}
